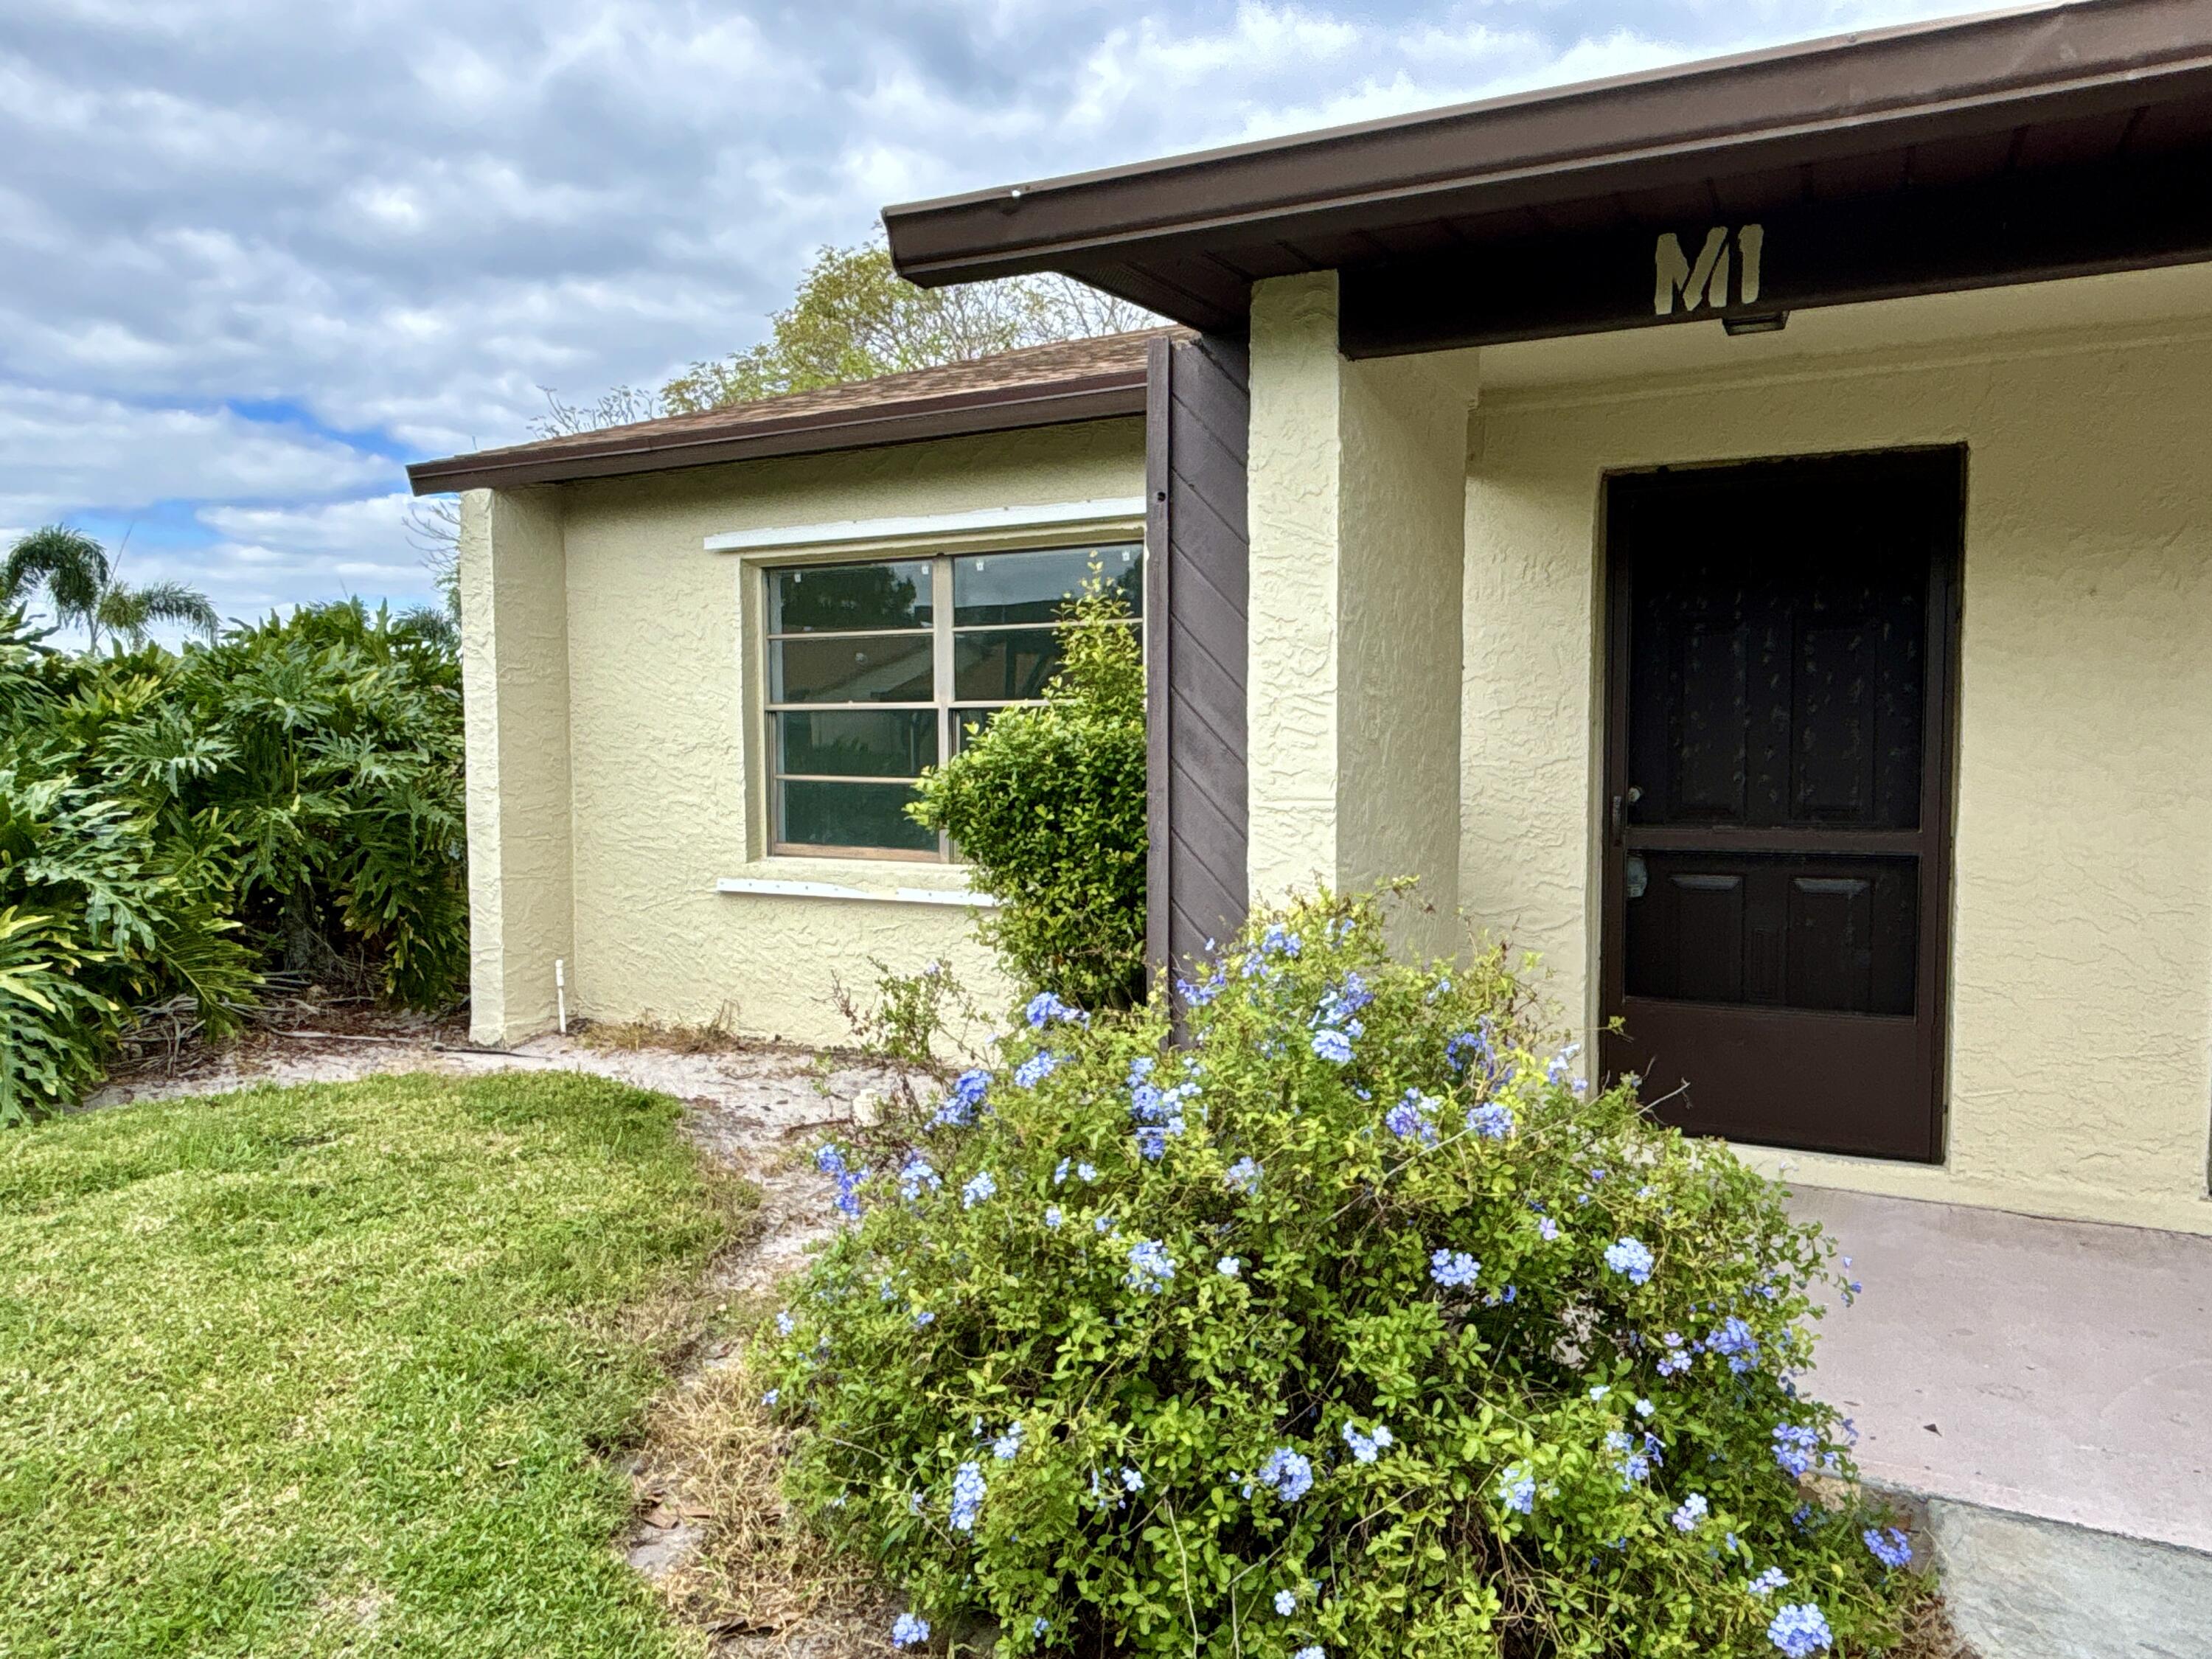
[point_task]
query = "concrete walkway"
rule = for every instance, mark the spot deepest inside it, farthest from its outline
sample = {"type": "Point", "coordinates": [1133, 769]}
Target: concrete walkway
{"type": "Point", "coordinates": [2059, 1369]}
{"type": "Point", "coordinates": [2046, 1387]}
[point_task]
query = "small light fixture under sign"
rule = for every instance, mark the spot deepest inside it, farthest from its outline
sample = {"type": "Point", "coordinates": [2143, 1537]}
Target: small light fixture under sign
{"type": "Point", "coordinates": [1757, 322]}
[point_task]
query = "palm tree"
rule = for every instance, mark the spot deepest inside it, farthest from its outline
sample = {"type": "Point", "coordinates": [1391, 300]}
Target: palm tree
{"type": "Point", "coordinates": [83, 587]}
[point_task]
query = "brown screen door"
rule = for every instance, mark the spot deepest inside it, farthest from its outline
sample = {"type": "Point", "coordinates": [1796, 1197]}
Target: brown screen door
{"type": "Point", "coordinates": [1777, 858]}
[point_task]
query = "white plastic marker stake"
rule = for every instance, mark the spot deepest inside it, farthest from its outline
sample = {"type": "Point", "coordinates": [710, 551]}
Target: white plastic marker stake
{"type": "Point", "coordinates": [561, 992]}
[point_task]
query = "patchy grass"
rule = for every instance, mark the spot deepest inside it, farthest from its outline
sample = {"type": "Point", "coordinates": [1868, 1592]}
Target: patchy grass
{"type": "Point", "coordinates": [331, 1369]}
{"type": "Point", "coordinates": [630, 1037]}
{"type": "Point", "coordinates": [758, 1570]}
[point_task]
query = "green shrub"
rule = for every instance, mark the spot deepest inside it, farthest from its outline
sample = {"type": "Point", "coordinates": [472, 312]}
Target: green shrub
{"type": "Point", "coordinates": [175, 825]}
{"type": "Point", "coordinates": [1046, 805]}
{"type": "Point", "coordinates": [1350, 1326]}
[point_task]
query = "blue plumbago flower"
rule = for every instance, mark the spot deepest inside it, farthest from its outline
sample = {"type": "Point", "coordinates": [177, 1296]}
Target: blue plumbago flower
{"type": "Point", "coordinates": [1563, 1064]}
{"type": "Point", "coordinates": [848, 1199]}
{"type": "Point", "coordinates": [1516, 1488]}
{"type": "Point", "coordinates": [967, 1496]}
{"type": "Point", "coordinates": [1690, 1514]}
{"type": "Point", "coordinates": [1492, 1120]}
{"type": "Point", "coordinates": [1677, 1359]}
{"type": "Point", "coordinates": [1340, 1005]}
{"type": "Point", "coordinates": [1037, 1067]}
{"type": "Point", "coordinates": [1287, 1474]}
{"type": "Point", "coordinates": [1008, 1446]}
{"type": "Point", "coordinates": [961, 1101]}
{"type": "Point", "coordinates": [908, 1631]}
{"type": "Point", "coordinates": [1132, 1481]}
{"type": "Point", "coordinates": [1546, 1228]}
{"type": "Point", "coordinates": [1309, 1652]}
{"type": "Point", "coordinates": [1103, 1225]}
{"type": "Point", "coordinates": [1644, 1408]}
{"type": "Point", "coordinates": [1599, 1390]}
{"type": "Point", "coordinates": [1053, 1217]}
{"type": "Point", "coordinates": [916, 1178]}
{"type": "Point", "coordinates": [1243, 1176]}
{"type": "Point", "coordinates": [1366, 1447]}
{"type": "Point", "coordinates": [1795, 1448]}
{"type": "Point", "coordinates": [924, 1319]}
{"type": "Point", "coordinates": [1087, 1174]}
{"type": "Point", "coordinates": [913, 1502]}
{"type": "Point", "coordinates": [785, 1324]}
{"type": "Point", "coordinates": [1409, 1118]}
{"type": "Point", "coordinates": [1286, 1602]}
{"type": "Point", "coordinates": [1059, 1175]}
{"type": "Point", "coordinates": [1800, 1629]}
{"type": "Point", "coordinates": [829, 1160]}
{"type": "Point", "coordinates": [1229, 1266]}
{"type": "Point", "coordinates": [1046, 1009]}
{"type": "Point", "coordinates": [1768, 1582]}
{"type": "Point", "coordinates": [1279, 940]}
{"type": "Point", "coordinates": [1197, 995]}
{"type": "Point", "coordinates": [771, 1396]}
{"type": "Point", "coordinates": [1733, 1338]}
{"type": "Point", "coordinates": [1453, 1268]}
{"type": "Point", "coordinates": [1332, 1046]}
{"type": "Point", "coordinates": [1891, 1547]}
{"type": "Point", "coordinates": [1141, 1069]}
{"type": "Point", "coordinates": [1634, 1461]}
{"type": "Point", "coordinates": [980, 1187]}
{"type": "Point", "coordinates": [1151, 1267]}
{"type": "Point", "coordinates": [1631, 1257]}
{"type": "Point", "coordinates": [1038, 1626]}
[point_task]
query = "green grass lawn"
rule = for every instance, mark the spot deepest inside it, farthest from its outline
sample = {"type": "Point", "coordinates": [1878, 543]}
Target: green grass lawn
{"type": "Point", "coordinates": [331, 1370]}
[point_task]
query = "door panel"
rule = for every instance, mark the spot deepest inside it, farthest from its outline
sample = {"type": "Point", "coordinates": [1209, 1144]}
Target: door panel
{"type": "Point", "coordinates": [1778, 771]}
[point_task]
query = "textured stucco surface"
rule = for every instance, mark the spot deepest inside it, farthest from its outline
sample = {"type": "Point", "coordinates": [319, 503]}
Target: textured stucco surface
{"type": "Point", "coordinates": [663, 689]}
{"type": "Point", "coordinates": [1357, 511]}
{"type": "Point", "coordinates": [514, 671]}
{"type": "Point", "coordinates": [2080, 1027]}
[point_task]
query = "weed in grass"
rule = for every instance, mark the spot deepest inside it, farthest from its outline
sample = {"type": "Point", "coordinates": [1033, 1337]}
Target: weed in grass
{"type": "Point", "coordinates": [333, 1370]}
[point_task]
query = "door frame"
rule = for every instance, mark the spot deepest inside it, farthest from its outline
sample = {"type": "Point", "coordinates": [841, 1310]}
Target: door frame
{"type": "Point", "coordinates": [1938, 793]}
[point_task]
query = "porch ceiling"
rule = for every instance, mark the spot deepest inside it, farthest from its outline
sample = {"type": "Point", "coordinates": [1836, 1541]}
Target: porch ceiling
{"type": "Point", "coordinates": [1920, 113]}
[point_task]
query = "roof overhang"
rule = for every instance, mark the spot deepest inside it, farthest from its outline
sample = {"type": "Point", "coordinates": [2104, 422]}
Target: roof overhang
{"type": "Point", "coordinates": [1996, 100]}
{"type": "Point", "coordinates": [653, 447]}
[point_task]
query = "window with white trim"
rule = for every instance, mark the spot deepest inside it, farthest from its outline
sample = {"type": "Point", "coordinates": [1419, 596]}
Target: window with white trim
{"type": "Point", "coordinates": [876, 670]}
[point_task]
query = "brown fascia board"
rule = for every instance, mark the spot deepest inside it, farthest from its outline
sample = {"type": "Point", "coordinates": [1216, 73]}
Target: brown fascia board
{"type": "Point", "coordinates": [1843, 95]}
{"type": "Point", "coordinates": [915, 420]}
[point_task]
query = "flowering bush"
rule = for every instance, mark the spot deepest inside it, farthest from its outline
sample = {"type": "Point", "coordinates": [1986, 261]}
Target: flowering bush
{"type": "Point", "coordinates": [1352, 1327]}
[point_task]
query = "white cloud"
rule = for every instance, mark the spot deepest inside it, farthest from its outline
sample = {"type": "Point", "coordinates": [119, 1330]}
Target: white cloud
{"type": "Point", "coordinates": [402, 219]}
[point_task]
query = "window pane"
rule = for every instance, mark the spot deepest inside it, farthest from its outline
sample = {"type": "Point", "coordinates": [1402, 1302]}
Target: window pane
{"type": "Point", "coordinates": [860, 743]}
{"type": "Point", "coordinates": [848, 597]}
{"type": "Point", "coordinates": [852, 815]}
{"type": "Point", "coordinates": [1032, 587]}
{"type": "Point", "coordinates": [852, 668]}
{"type": "Point", "coordinates": [1004, 666]}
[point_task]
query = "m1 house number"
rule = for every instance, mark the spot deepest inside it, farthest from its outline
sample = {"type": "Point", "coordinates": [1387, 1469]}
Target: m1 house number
{"type": "Point", "coordinates": [1728, 257]}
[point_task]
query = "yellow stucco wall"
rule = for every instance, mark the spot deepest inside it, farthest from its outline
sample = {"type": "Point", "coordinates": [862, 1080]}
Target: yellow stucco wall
{"type": "Point", "coordinates": [2081, 1029]}
{"type": "Point", "coordinates": [661, 716]}
{"type": "Point", "coordinates": [1356, 517]}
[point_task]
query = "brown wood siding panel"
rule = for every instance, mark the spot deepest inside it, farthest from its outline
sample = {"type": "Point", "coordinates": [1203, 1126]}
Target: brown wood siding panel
{"type": "Point", "coordinates": [1198, 583]}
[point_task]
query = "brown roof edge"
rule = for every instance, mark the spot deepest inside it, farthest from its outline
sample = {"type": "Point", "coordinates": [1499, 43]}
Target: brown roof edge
{"type": "Point", "coordinates": [1820, 97]}
{"type": "Point", "coordinates": [652, 448]}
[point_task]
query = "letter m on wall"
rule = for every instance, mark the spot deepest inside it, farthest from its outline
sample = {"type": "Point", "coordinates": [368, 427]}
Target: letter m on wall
{"type": "Point", "coordinates": [1705, 282]}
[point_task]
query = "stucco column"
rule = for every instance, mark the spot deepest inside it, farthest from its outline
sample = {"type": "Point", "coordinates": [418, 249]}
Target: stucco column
{"type": "Point", "coordinates": [514, 679]}
{"type": "Point", "coordinates": [1357, 486]}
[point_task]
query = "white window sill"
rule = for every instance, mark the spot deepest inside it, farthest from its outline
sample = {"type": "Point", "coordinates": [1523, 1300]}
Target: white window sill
{"type": "Point", "coordinates": [850, 882]}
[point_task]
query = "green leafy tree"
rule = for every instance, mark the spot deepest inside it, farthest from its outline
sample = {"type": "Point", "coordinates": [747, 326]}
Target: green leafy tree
{"type": "Point", "coordinates": [1047, 805]}
{"type": "Point", "coordinates": [82, 585]}
{"type": "Point", "coordinates": [854, 317]}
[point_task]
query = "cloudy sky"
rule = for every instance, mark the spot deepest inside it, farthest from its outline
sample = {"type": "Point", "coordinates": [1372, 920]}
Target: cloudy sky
{"type": "Point", "coordinates": [255, 255]}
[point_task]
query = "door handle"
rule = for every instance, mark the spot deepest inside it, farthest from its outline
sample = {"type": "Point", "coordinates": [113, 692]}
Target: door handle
{"type": "Point", "coordinates": [1620, 805]}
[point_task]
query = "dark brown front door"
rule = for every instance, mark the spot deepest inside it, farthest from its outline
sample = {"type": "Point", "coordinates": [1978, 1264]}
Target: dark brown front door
{"type": "Point", "coordinates": [1778, 782]}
